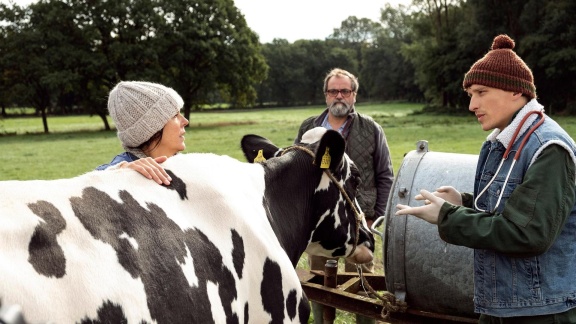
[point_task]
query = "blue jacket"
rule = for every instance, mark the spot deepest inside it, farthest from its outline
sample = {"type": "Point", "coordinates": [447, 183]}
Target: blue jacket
{"type": "Point", "coordinates": [126, 156]}
{"type": "Point", "coordinates": [506, 286]}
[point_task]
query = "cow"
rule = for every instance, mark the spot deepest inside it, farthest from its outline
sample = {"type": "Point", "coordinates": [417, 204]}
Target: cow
{"type": "Point", "coordinates": [217, 245]}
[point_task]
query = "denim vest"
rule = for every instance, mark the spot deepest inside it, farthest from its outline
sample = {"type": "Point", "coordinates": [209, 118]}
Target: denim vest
{"type": "Point", "coordinates": [125, 156]}
{"type": "Point", "coordinates": [506, 286]}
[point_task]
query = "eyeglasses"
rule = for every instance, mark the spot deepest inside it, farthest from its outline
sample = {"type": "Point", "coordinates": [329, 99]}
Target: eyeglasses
{"type": "Point", "coordinates": [333, 92]}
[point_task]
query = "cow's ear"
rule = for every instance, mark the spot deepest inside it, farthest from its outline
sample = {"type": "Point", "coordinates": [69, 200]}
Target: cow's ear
{"type": "Point", "coordinates": [257, 148]}
{"type": "Point", "coordinates": [330, 150]}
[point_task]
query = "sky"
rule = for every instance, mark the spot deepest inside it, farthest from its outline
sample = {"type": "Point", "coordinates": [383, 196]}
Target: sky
{"type": "Point", "coordinates": [306, 19]}
{"type": "Point", "coordinates": [299, 19]}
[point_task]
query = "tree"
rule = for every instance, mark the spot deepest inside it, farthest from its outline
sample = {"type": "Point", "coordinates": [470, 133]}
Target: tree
{"type": "Point", "coordinates": [550, 50]}
{"type": "Point", "coordinates": [297, 70]}
{"type": "Point", "coordinates": [285, 74]}
{"type": "Point", "coordinates": [387, 74]}
{"type": "Point", "coordinates": [206, 49]}
{"type": "Point", "coordinates": [438, 59]}
{"type": "Point", "coordinates": [356, 34]}
{"type": "Point", "coordinates": [354, 30]}
{"type": "Point", "coordinates": [120, 36]}
{"type": "Point", "coordinates": [65, 53]}
{"type": "Point", "coordinates": [39, 52]}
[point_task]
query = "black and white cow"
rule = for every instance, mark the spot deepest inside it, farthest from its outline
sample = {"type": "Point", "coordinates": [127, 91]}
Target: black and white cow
{"type": "Point", "coordinates": [218, 245]}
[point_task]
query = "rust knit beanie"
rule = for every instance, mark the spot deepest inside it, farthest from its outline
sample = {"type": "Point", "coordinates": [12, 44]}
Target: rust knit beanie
{"type": "Point", "coordinates": [501, 68]}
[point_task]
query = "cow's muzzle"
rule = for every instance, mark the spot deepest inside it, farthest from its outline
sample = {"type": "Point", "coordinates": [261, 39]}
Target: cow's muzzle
{"type": "Point", "coordinates": [362, 254]}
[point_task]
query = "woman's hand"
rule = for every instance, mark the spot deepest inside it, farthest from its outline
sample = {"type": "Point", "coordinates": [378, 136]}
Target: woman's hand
{"type": "Point", "coordinates": [150, 168]}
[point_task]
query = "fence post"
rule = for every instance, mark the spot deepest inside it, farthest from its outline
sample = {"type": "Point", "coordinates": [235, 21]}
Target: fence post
{"type": "Point", "coordinates": [330, 280]}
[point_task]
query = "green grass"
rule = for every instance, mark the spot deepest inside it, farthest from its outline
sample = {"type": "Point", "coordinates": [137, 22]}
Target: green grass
{"type": "Point", "coordinates": [77, 144]}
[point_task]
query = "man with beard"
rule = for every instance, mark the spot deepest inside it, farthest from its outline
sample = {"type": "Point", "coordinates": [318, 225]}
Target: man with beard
{"type": "Point", "coordinates": [365, 144]}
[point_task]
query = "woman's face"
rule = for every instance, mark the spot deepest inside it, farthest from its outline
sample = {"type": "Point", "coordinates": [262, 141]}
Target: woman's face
{"type": "Point", "coordinates": [172, 140]}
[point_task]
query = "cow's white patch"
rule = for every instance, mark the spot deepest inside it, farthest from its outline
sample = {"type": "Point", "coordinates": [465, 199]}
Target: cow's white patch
{"type": "Point", "coordinates": [313, 135]}
{"type": "Point", "coordinates": [130, 240]}
{"type": "Point", "coordinates": [188, 269]}
{"type": "Point", "coordinates": [315, 248]}
{"type": "Point", "coordinates": [325, 183]}
{"type": "Point", "coordinates": [215, 303]}
{"type": "Point", "coordinates": [337, 221]}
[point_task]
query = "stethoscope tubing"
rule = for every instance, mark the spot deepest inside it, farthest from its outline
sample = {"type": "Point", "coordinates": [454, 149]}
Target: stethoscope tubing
{"type": "Point", "coordinates": [516, 156]}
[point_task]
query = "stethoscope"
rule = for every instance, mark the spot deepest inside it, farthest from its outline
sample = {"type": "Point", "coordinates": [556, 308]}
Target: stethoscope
{"type": "Point", "coordinates": [506, 153]}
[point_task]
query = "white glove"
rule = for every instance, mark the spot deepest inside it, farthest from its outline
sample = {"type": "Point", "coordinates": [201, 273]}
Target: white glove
{"type": "Point", "coordinates": [427, 212]}
{"type": "Point", "coordinates": [448, 193]}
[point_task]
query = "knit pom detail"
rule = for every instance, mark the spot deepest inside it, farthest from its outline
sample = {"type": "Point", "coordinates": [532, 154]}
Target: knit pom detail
{"type": "Point", "coordinates": [503, 42]}
{"type": "Point", "coordinates": [501, 68]}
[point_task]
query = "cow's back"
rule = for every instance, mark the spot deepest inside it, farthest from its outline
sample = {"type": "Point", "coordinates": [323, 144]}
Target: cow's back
{"type": "Point", "coordinates": [112, 245]}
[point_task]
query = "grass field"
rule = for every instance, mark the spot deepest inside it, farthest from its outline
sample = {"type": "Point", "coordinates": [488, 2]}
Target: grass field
{"type": "Point", "coordinates": [77, 144]}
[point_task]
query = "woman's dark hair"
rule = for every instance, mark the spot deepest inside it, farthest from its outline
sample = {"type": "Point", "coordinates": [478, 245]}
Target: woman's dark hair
{"type": "Point", "coordinates": [146, 145]}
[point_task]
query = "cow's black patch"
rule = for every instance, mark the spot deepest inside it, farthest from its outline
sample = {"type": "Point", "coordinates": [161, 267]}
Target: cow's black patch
{"type": "Point", "coordinates": [108, 313]}
{"type": "Point", "coordinates": [177, 184]}
{"type": "Point", "coordinates": [162, 249]}
{"type": "Point", "coordinates": [304, 309]}
{"type": "Point", "coordinates": [209, 267]}
{"type": "Point", "coordinates": [238, 254]}
{"type": "Point", "coordinates": [291, 303]}
{"type": "Point", "coordinates": [271, 291]}
{"type": "Point", "coordinates": [46, 255]}
{"type": "Point", "coordinates": [246, 317]}
{"type": "Point", "coordinates": [330, 236]}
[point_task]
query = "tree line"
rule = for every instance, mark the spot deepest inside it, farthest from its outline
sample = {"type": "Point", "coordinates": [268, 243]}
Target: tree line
{"type": "Point", "coordinates": [63, 56]}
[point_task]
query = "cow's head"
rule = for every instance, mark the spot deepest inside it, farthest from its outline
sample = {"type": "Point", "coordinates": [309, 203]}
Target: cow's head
{"type": "Point", "coordinates": [317, 180]}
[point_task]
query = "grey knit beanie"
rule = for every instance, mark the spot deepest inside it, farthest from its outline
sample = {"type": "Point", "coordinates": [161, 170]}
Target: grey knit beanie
{"type": "Point", "coordinates": [141, 109]}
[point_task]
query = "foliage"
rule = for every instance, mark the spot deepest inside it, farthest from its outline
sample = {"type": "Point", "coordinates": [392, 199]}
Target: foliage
{"type": "Point", "coordinates": [38, 53]}
{"type": "Point", "coordinates": [297, 70]}
{"type": "Point", "coordinates": [550, 50]}
{"type": "Point", "coordinates": [60, 54]}
{"type": "Point", "coordinates": [63, 56]}
{"type": "Point", "coordinates": [386, 73]}
{"type": "Point", "coordinates": [206, 49]}
{"type": "Point", "coordinates": [435, 52]}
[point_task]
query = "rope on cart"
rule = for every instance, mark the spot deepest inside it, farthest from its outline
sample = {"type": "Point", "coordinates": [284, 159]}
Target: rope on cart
{"type": "Point", "coordinates": [391, 304]}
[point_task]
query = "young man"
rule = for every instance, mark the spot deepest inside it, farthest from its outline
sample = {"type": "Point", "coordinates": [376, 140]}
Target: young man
{"type": "Point", "coordinates": [365, 144]}
{"type": "Point", "coordinates": [521, 219]}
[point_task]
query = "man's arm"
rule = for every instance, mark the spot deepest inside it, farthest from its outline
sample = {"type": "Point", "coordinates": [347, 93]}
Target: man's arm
{"type": "Point", "coordinates": [532, 218]}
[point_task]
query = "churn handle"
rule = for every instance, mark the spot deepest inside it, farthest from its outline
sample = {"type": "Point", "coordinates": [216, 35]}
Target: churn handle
{"type": "Point", "coordinates": [376, 224]}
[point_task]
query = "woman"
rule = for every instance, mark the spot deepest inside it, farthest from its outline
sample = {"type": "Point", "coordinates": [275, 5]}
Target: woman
{"type": "Point", "coordinates": [150, 127]}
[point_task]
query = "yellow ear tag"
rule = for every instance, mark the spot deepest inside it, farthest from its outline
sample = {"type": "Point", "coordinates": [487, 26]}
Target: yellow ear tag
{"type": "Point", "coordinates": [325, 164]}
{"type": "Point", "coordinates": [260, 157]}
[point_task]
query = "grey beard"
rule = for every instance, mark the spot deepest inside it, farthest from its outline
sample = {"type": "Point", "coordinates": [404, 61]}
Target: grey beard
{"type": "Point", "coordinates": [340, 108]}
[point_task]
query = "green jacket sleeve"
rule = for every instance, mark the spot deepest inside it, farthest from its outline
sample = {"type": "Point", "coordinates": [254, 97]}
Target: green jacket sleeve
{"type": "Point", "coordinates": [532, 218]}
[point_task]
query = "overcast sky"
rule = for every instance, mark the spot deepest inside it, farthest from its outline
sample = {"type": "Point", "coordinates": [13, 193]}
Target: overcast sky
{"type": "Point", "coordinates": [306, 19]}
{"type": "Point", "coordinates": [300, 19]}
